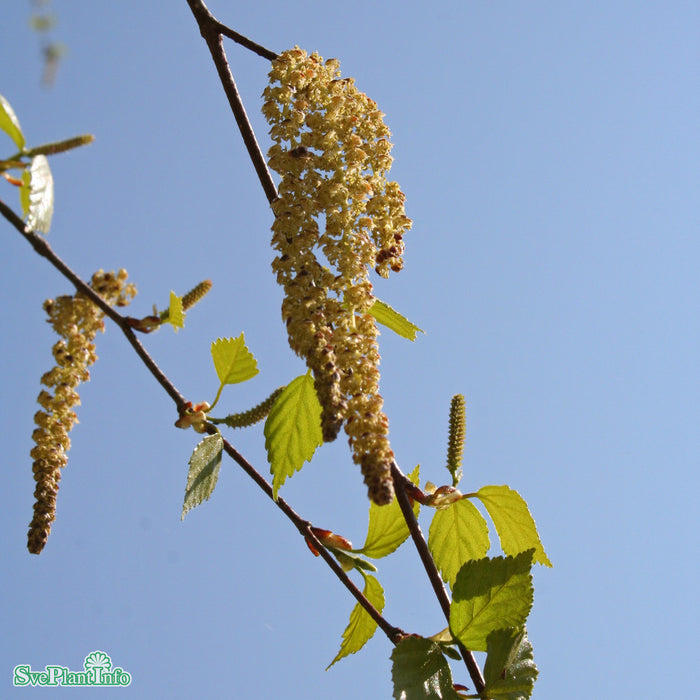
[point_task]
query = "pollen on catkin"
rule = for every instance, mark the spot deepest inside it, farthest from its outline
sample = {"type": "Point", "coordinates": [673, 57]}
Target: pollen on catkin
{"type": "Point", "coordinates": [336, 218]}
{"type": "Point", "coordinates": [76, 319]}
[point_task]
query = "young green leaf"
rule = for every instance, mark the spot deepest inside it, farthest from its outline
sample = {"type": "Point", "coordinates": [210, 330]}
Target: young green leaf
{"type": "Point", "coordinates": [387, 528]}
{"type": "Point", "coordinates": [420, 671]}
{"type": "Point", "coordinates": [36, 195]}
{"type": "Point", "coordinates": [392, 319]}
{"type": "Point", "coordinates": [514, 523]}
{"type": "Point", "coordinates": [175, 316]}
{"type": "Point", "coordinates": [349, 561]}
{"type": "Point", "coordinates": [446, 641]}
{"type": "Point", "coordinates": [458, 533]}
{"type": "Point", "coordinates": [204, 472]}
{"type": "Point", "coordinates": [293, 429]}
{"type": "Point", "coordinates": [509, 671]}
{"type": "Point", "coordinates": [233, 362]}
{"type": "Point", "coordinates": [490, 594]}
{"type": "Point", "coordinates": [10, 124]}
{"type": "Point", "coordinates": [361, 627]}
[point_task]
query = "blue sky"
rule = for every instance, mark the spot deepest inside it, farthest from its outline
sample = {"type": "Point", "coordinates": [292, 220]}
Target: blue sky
{"type": "Point", "coordinates": [549, 154]}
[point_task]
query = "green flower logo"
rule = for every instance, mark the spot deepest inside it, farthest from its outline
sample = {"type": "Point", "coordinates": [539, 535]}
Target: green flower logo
{"type": "Point", "coordinates": [98, 659]}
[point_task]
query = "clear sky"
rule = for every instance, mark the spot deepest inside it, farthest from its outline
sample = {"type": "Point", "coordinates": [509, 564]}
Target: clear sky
{"type": "Point", "coordinates": [549, 153]}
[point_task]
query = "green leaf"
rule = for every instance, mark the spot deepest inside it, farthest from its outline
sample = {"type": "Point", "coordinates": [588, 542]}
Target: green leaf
{"type": "Point", "coordinates": [204, 472]}
{"type": "Point", "coordinates": [361, 627]}
{"type": "Point", "coordinates": [175, 316]}
{"type": "Point", "coordinates": [387, 529]}
{"type": "Point", "coordinates": [392, 319]}
{"type": "Point", "coordinates": [509, 671]}
{"type": "Point", "coordinates": [420, 671]}
{"type": "Point", "coordinates": [458, 533]}
{"type": "Point", "coordinates": [490, 594]}
{"type": "Point", "coordinates": [446, 641]}
{"type": "Point", "coordinates": [233, 362]}
{"type": "Point", "coordinates": [292, 430]}
{"type": "Point", "coordinates": [349, 561]}
{"type": "Point", "coordinates": [514, 523]}
{"type": "Point", "coordinates": [10, 124]}
{"type": "Point", "coordinates": [36, 195]}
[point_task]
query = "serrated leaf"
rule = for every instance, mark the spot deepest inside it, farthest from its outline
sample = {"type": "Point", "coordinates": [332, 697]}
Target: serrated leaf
{"type": "Point", "coordinates": [233, 362]}
{"type": "Point", "coordinates": [204, 472]}
{"type": "Point", "coordinates": [292, 429]}
{"type": "Point", "coordinates": [420, 671]}
{"type": "Point", "coordinates": [490, 594]}
{"type": "Point", "coordinates": [392, 319]}
{"type": "Point", "coordinates": [9, 123]}
{"type": "Point", "coordinates": [387, 529]}
{"type": "Point", "coordinates": [457, 534]}
{"type": "Point", "coordinates": [36, 195]}
{"type": "Point", "coordinates": [515, 525]}
{"type": "Point", "coordinates": [509, 671]}
{"type": "Point", "coordinates": [175, 317]}
{"type": "Point", "coordinates": [361, 627]}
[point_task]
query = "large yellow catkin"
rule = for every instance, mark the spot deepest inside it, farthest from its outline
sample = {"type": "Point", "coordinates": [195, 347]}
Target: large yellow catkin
{"type": "Point", "coordinates": [336, 218]}
{"type": "Point", "coordinates": [77, 320]}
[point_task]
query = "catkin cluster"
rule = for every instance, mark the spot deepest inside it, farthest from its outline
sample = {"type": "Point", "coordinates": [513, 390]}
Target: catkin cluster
{"type": "Point", "coordinates": [336, 218]}
{"type": "Point", "coordinates": [76, 319]}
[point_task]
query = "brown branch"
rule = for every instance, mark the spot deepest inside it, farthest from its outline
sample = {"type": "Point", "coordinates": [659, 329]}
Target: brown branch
{"type": "Point", "coordinates": [205, 17]}
{"type": "Point", "coordinates": [400, 483]}
{"type": "Point", "coordinates": [304, 526]}
{"type": "Point", "coordinates": [211, 30]}
{"type": "Point", "coordinates": [44, 249]}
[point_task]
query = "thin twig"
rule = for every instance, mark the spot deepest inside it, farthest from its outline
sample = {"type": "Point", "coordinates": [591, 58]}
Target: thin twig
{"type": "Point", "coordinates": [44, 249]}
{"type": "Point", "coordinates": [400, 481]}
{"type": "Point", "coordinates": [304, 526]}
{"type": "Point", "coordinates": [210, 29]}
{"type": "Point", "coordinates": [203, 15]}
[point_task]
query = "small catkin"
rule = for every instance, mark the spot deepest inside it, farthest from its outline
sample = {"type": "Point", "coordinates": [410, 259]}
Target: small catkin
{"type": "Point", "coordinates": [455, 445]}
{"type": "Point", "coordinates": [196, 294]}
{"type": "Point", "coordinates": [336, 218]}
{"type": "Point", "coordinates": [252, 416]}
{"type": "Point", "coordinates": [77, 320]}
